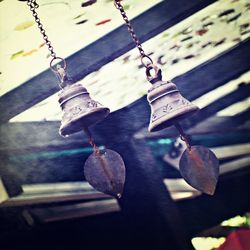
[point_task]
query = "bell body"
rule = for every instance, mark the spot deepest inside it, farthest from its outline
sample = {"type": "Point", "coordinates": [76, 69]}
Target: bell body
{"type": "Point", "coordinates": [79, 110]}
{"type": "Point", "coordinates": [168, 106]}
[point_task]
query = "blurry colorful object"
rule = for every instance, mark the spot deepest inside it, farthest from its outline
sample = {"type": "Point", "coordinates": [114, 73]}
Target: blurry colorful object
{"type": "Point", "coordinates": [103, 22]}
{"type": "Point", "coordinates": [238, 240]}
{"type": "Point", "coordinates": [24, 26]}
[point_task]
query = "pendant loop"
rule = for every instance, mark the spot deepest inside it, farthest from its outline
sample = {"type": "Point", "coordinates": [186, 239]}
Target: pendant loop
{"type": "Point", "coordinates": [62, 60]}
{"type": "Point", "coordinates": [146, 61]}
{"type": "Point", "coordinates": [157, 73]}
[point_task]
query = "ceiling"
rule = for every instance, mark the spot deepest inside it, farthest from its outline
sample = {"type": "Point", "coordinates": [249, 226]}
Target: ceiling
{"type": "Point", "coordinates": [197, 39]}
{"type": "Point", "coordinates": [68, 25]}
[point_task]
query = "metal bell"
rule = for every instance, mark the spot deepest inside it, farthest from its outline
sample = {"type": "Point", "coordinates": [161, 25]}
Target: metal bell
{"type": "Point", "coordinates": [79, 110]}
{"type": "Point", "coordinates": [168, 106]}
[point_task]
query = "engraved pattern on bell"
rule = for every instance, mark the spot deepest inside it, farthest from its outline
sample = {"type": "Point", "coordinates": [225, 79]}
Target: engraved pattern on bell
{"type": "Point", "coordinates": [79, 110]}
{"type": "Point", "coordinates": [173, 106]}
{"type": "Point", "coordinates": [105, 171]}
{"type": "Point", "coordinates": [200, 168]}
{"type": "Point", "coordinates": [168, 106]}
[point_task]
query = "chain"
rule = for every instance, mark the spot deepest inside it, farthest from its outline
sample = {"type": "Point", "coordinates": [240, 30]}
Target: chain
{"type": "Point", "coordinates": [33, 6]}
{"type": "Point", "coordinates": [136, 40]}
{"type": "Point", "coordinates": [119, 6]}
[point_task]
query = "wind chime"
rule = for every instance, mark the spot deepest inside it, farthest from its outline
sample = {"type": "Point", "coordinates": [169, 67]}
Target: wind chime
{"type": "Point", "coordinates": [104, 168]}
{"type": "Point", "coordinates": [198, 165]}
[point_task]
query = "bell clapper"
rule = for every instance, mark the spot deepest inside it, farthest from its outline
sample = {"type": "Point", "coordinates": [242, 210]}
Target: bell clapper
{"type": "Point", "coordinates": [184, 137]}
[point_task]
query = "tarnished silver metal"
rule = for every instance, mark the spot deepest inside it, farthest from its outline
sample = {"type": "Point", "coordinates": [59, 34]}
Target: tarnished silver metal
{"type": "Point", "coordinates": [79, 110]}
{"type": "Point", "coordinates": [200, 168]}
{"type": "Point", "coordinates": [168, 106]}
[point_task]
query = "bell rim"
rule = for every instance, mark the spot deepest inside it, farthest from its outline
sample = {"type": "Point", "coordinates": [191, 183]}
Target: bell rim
{"type": "Point", "coordinates": [63, 131]}
{"type": "Point", "coordinates": [162, 123]}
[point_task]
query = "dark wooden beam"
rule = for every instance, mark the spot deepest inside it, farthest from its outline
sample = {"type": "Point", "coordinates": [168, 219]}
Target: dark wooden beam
{"type": "Point", "coordinates": [226, 124]}
{"type": "Point", "coordinates": [193, 84]}
{"type": "Point", "coordinates": [99, 53]}
{"type": "Point", "coordinates": [238, 95]}
{"type": "Point", "coordinates": [215, 72]}
{"type": "Point", "coordinates": [35, 135]}
{"type": "Point", "coordinates": [75, 211]}
{"type": "Point", "coordinates": [54, 193]}
{"type": "Point", "coordinates": [16, 137]}
{"type": "Point", "coordinates": [211, 125]}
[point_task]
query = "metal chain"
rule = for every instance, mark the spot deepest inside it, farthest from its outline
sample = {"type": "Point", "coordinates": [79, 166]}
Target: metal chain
{"type": "Point", "coordinates": [136, 40]}
{"type": "Point", "coordinates": [33, 6]}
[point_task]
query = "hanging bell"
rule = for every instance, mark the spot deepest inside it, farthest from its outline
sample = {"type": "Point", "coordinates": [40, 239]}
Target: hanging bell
{"type": "Point", "coordinates": [168, 106]}
{"type": "Point", "coordinates": [79, 110]}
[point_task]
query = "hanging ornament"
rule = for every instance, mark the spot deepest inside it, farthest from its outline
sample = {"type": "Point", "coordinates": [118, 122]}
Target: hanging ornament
{"type": "Point", "coordinates": [198, 165]}
{"type": "Point", "coordinates": [104, 169]}
{"type": "Point", "coordinates": [168, 106]}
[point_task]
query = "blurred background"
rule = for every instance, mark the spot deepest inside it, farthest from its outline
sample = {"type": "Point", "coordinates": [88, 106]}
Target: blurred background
{"type": "Point", "coordinates": [45, 203]}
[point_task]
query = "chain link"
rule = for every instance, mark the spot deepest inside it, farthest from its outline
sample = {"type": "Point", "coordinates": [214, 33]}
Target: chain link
{"type": "Point", "coordinates": [136, 40]}
{"type": "Point", "coordinates": [33, 6]}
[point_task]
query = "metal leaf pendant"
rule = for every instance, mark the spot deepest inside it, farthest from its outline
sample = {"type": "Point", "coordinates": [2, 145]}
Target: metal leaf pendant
{"type": "Point", "coordinates": [200, 168]}
{"type": "Point", "coordinates": [105, 171]}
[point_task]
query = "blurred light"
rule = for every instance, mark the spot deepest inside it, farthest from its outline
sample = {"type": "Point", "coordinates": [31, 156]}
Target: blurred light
{"type": "Point", "coordinates": [235, 108]}
{"type": "Point", "coordinates": [164, 141]}
{"type": "Point", "coordinates": [3, 194]}
{"type": "Point", "coordinates": [182, 195]}
{"type": "Point", "coordinates": [202, 243]}
{"type": "Point", "coordinates": [179, 189]}
{"type": "Point", "coordinates": [234, 222]}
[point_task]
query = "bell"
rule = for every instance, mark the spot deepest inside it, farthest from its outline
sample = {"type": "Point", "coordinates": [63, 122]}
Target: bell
{"type": "Point", "coordinates": [168, 106]}
{"type": "Point", "coordinates": [79, 110]}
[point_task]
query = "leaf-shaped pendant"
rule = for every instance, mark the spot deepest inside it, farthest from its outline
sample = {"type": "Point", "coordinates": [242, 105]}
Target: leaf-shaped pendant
{"type": "Point", "coordinates": [105, 171]}
{"type": "Point", "coordinates": [200, 168]}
